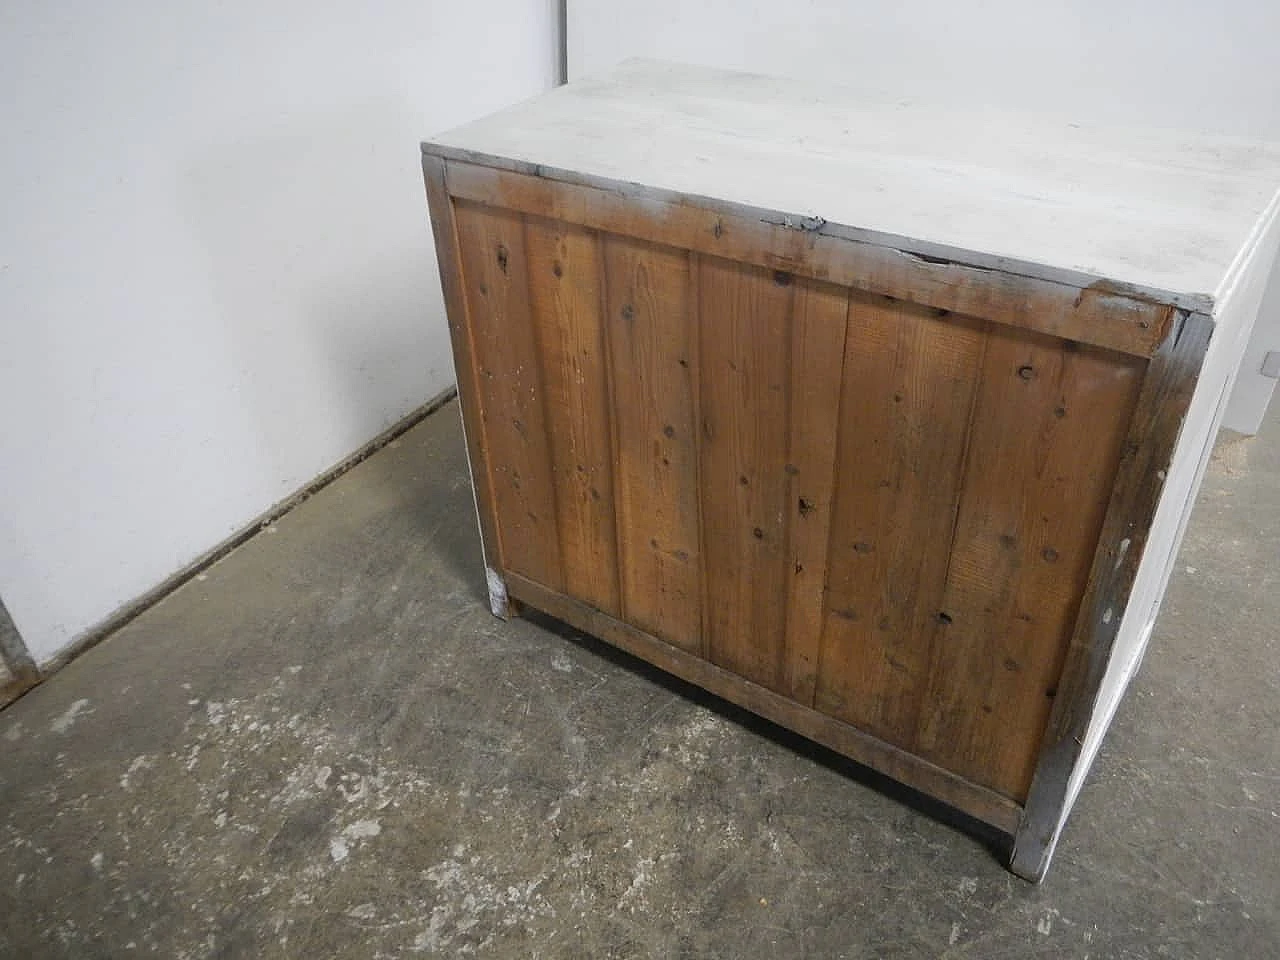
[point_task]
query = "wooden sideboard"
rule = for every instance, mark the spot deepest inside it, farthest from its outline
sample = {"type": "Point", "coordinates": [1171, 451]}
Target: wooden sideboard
{"type": "Point", "coordinates": [881, 421]}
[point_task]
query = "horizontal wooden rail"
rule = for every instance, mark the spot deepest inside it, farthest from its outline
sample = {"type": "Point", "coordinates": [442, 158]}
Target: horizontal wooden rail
{"type": "Point", "coordinates": [1093, 315]}
{"type": "Point", "coordinates": [978, 802]}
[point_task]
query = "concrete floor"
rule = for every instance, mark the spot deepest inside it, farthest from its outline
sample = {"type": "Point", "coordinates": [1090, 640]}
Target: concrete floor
{"type": "Point", "coordinates": [325, 746]}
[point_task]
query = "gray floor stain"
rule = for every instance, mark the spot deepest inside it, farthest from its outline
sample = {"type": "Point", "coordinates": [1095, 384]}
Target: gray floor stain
{"type": "Point", "coordinates": [326, 746]}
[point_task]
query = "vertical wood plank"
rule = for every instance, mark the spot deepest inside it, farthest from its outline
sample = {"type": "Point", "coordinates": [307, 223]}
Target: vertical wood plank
{"type": "Point", "coordinates": [819, 322]}
{"type": "Point", "coordinates": [695, 389]}
{"type": "Point", "coordinates": [496, 284]}
{"type": "Point", "coordinates": [910, 376]}
{"type": "Point", "coordinates": [565, 291]}
{"type": "Point", "coordinates": [649, 334]}
{"type": "Point", "coordinates": [744, 323]}
{"type": "Point", "coordinates": [1047, 437]}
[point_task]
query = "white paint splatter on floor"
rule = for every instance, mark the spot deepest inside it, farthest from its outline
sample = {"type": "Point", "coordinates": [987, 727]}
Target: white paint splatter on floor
{"type": "Point", "coordinates": [64, 723]}
{"type": "Point", "coordinates": [634, 894]}
{"type": "Point", "coordinates": [340, 846]}
{"type": "Point", "coordinates": [139, 763]}
{"type": "Point", "coordinates": [470, 899]}
{"type": "Point", "coordinates": [1044, 926]}
{"type": "Point", "coordinates": [363, 830]}
{"type": "Point", "coordinates": [363, 911]}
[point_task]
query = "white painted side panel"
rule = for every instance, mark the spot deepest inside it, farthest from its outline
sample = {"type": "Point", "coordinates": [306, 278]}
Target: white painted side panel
{"type": "Point", "coordinates": [1195, 445]}
{"type": "Point", "coordinates": [216, 274]}
{"type": "Point", "coordinates": [1253, 390]}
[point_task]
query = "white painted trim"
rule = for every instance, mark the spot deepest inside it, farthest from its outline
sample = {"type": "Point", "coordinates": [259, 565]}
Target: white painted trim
{"type": "Point", "coordinates": [494, 582]}
{"type": "Point", "coordinates": [499, 602]}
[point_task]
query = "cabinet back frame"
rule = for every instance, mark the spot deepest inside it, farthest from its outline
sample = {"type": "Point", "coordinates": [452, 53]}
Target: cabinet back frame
{"type": "Point", "coordinates": [1091, 314]}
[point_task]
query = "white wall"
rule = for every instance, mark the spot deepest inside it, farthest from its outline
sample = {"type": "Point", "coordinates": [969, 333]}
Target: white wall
{"type": "Point", "coordinates": [1179, 63]}
{"type": "Point", "coordinates": [216, 273]}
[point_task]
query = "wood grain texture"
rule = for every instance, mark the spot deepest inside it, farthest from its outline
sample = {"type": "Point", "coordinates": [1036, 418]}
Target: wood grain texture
{"type": "Point", "coordinates": [512, 414]}
{"type": "Point", "coordinates": [651, 347]}
{"type": "Point", "coordinates": [1094, 314]}
{"type": "Point", "coordinates": [444, 232]}
{"type": "Point", "coordinates": [818, 331]}
{"type": "Point", "coordinates": [565, 289]}
{"type": "Point", "coordinates": [909, 382]}
{"type": "Point", "coordinates": [1048, 429]}
{"type": "Point", "coordinates": [1158, 417]}
{"type": "Point", "coordinates": [744, 322]}
{"type": "Point", "coordinates": [976, 801]}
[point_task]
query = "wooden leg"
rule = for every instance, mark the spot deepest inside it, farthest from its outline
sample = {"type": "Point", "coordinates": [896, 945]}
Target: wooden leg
{"type": "Point", "coordinates": [1030, 858]}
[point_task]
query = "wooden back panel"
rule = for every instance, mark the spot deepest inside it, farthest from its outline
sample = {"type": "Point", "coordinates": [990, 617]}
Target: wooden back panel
{"type": "Point", "coordinates": [872, 505]}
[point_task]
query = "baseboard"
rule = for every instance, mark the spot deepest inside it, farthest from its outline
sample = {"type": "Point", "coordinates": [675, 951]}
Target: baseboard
{"type": "Point", "coordinates": [131, 610]}
{"type": "Point", "coordinates": [16, 686]}
{"type": "Point", "coordinates": [19, 672]}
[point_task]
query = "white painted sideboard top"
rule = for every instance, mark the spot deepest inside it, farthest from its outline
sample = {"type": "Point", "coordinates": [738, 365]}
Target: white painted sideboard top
{"type": "Point", "coordinates": [1164, 213]}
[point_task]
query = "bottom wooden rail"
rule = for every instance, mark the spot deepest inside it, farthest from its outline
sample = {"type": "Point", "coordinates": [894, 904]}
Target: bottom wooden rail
{"type": "Point", "coordinates": [979, 802]}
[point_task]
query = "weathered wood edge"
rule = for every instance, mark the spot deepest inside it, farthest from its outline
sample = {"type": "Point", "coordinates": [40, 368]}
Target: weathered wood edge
{"type": "Point", "coordinates": [699, 433]}
{"type": "Point", "coordinates": [444, 230]}
{"type": "Point", "coordinates": [976, 801]}
{"type": "Point", "coordinates": [1081, 280]}
{"type": "Point", "coordinates": [611, 415]}
{"type": "Point", "coordinates": [1153, 434]}
{"type": "Point", "coordinates": [23, 673]}
{"type": "Point", "coordinates": [1093, 315]}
